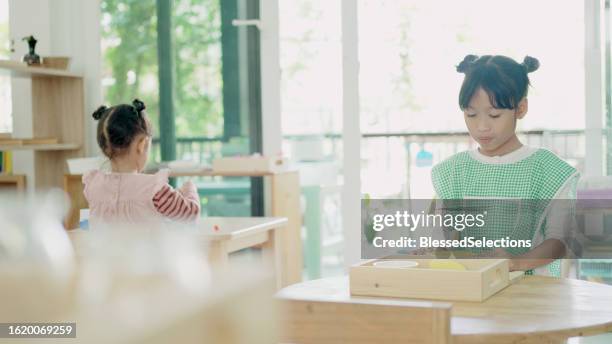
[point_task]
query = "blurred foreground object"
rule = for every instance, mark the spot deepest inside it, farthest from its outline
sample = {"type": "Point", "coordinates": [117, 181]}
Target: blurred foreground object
{"type": "Point", "coordinates": [36, 257]}
{"type": "Point", "coordinates": [131, 285]}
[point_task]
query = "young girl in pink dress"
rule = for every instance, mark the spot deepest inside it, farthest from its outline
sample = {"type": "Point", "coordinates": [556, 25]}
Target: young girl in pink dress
{"type": "Point", "coordinates": [126, 195]}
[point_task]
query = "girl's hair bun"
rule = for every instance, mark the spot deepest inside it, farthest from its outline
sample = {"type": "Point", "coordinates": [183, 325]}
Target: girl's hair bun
{"type": "Point", "coordinates": [138, 105]}
{"type": "Point", "coordinates": [531, 64]}
{"type": "Point", "coordinates": [99, 112]}
{"type": "Point", "coordinates": [464, 65]}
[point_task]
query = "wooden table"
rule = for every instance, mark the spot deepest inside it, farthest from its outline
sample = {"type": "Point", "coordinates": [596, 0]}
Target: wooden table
{"type": "Point", "coordinates": [536, 309]}
{"type": "Point", "coordinates": [284, 202]}
{"type": "Point", "coordinates": [224, 235]}
{"type": "Point", "coordinates": [230, 234]}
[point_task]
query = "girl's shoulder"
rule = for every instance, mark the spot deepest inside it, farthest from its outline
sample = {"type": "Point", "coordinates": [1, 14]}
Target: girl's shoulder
{"type": "Point", "coordinates": [163, 173]}
{"type": "Point", "coordinates": [550, 160]}
{"type": "Point", "coordinates": [90, 175]}
{"type": "Point", "coordinates": [545, 153]}
{"type": "Point", "coordinates": [160, 176]}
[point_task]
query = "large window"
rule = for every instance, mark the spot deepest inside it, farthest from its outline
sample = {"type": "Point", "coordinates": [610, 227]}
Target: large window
{"type": "Point", "coordinates": [310, 53]}
{"type": "Point", "coordinates": [129, 47]}
{"type": "Point", "coordinates": [311, 110]}
{"type": "Point", "coordinates": [209, 72]}
{"type": "Point", "coordinates": [129, 31]}
{"type": "Point", "coordinates": [408, 51]}
{"type": "Point", "coordinates": [6, 118]}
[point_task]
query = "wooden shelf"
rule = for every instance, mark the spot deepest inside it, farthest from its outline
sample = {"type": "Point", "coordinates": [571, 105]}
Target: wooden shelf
{"type": "Point", "coordinates": [42, 147]}
{"type": "Point", "coordinates": [10, 177]}
{"type": "Point", "coordinates": [16, 181]}
{"type": "Point", "coordinates": [19, 69]}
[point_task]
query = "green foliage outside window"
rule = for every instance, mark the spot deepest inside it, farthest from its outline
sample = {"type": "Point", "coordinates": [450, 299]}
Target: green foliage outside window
{"type": "Point", "coordinates": [129, 39]}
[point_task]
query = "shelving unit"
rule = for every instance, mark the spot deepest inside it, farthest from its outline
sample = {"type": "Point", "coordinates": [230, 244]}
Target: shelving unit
{"type": "Point", "coordinates": [58, 110]}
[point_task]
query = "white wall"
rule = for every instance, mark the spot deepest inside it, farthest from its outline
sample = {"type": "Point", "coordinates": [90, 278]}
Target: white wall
{"type": "Point", "coordinates": [62, 28]}
{"type": "Point", "coordinates": [23, 21]}
{"type": "Point", "coordinates": [75, 32]}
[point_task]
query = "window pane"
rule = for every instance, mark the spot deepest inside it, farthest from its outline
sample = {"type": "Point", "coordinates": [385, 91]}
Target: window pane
{"type": "Point", "coordinates": [197, 42]}
{"type": "Point", "coordinates": [198, 101]}
{"type": "Point", "coordinates": [311, 110]}
{"type": "Point", "coordinates": [129, 46]}
{"type": "Point", "coordinates": [408, 51]}
{"type": "Point", "coordinates": [6, 108]}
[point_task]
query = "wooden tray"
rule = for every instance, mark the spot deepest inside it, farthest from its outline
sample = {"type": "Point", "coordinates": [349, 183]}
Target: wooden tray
{"type": "Point", "coordinates": [481, 279]}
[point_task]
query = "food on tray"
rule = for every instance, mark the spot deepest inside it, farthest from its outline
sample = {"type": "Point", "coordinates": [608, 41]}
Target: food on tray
{"type": "Point", "coordinates": [446, 265]}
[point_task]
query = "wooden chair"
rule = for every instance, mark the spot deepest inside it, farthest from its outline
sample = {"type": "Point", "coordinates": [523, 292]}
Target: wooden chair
{"type": "Point", "coordinates": [73, 186]}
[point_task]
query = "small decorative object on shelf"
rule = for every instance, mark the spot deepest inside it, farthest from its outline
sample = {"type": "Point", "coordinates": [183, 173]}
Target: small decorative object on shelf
{"type": "Point", "coordinates": [57, 62]}
{"type": "Point", "coordinates": [31, 58]}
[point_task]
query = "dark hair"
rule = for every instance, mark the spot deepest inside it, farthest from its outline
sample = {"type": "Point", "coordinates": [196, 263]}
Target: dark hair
{"type": "Point", "coordinates": [504, 79]}
{"type": "Point", "coordinates": [119, 125]}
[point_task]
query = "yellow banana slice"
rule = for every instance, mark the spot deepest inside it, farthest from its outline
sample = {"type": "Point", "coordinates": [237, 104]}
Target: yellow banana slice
{"type": "Point", "coordinates": [446, 265]}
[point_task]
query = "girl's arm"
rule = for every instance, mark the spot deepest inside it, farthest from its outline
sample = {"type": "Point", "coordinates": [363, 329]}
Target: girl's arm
{"type": "Point", "coordinates": [182, 204]}
{"type": "Point", "coordinates": [559, 229]}
{"type": "Point", "coordinates": [532, 259]}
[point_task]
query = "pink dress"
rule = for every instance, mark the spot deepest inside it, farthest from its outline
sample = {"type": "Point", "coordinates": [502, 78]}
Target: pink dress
{"type": "Point", "coordinates": [129, 198]}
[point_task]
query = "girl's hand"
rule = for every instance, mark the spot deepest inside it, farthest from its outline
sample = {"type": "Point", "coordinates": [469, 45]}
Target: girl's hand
{"type": "Point", "coordinates": [189, 188]}
{"type": "Point", "coordinates": [496, 253]}
{"type": "Point", "coordinates": [187, 185]}
{"type": "Point", "coordinates": [501, 253]}
{"type": "Point", "coordinates": [514, 265]}
{"type": "Point", "coordinates": [432, 252]}
{"type": "Point", "coordinates": [513, 262]}
{"type": "Point", "coordinates": [422, 252]}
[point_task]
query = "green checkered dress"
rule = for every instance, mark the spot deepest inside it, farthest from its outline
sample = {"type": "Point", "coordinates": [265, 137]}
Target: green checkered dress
{"type": "Point", "coordinates": [514, 195]}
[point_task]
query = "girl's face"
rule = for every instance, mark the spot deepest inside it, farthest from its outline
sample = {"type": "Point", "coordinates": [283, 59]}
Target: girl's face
{"type": "Point", "coordinates": [493, 129]}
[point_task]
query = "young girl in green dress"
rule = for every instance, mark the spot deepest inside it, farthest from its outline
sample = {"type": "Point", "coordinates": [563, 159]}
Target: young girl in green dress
{"type": "Point", "coordinates": [502, 170]}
